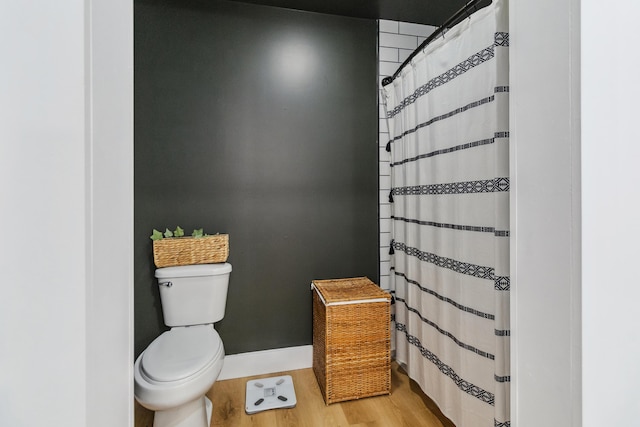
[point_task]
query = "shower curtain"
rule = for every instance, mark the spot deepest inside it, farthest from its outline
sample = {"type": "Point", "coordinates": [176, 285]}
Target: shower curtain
{"type": "Point", "coordinates": [448, 123]}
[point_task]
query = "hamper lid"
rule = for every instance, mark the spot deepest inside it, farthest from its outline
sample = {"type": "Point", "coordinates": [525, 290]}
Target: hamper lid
{"type": "Point", "coordinates": [349, 291]}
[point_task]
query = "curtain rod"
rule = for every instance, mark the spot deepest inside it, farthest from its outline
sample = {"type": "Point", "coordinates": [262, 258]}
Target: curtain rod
{"type": "Point", "coordinates": [441, 29]}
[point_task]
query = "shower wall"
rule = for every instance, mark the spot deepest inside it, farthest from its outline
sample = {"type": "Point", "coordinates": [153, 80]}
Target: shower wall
{"type": "Point", "coordinates": [396, 41]}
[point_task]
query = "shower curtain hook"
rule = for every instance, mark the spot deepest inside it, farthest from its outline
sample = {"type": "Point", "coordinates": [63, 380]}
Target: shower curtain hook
{"type": "Point", "coordinates": [468, 8]}
{"type": "Point", "coordinates": [466, 12]}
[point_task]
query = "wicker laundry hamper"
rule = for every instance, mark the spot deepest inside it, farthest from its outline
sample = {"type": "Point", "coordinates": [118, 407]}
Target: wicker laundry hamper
{"type": "Point", "coordinates": [351, 339]}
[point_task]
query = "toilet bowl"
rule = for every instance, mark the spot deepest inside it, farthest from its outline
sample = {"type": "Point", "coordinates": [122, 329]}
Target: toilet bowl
{"type": "Point", "coordinates": [175, 371]}
{"type": "Point", "coordinates": [173, 374]}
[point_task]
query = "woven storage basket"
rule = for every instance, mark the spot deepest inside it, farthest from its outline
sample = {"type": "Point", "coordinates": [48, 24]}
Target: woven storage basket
{"type": "Point", "coordinates": [190, 250]}
{"type": "Point", "coordinates": [351, 339]}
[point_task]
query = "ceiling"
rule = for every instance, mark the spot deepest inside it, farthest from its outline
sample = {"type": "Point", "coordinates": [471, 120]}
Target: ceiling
{"type": "Point", "coordinates": [431, 12]}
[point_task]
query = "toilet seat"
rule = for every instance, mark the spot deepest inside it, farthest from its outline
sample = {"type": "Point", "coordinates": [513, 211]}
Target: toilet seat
{"type": "Point", "coordinates": [180, 353]}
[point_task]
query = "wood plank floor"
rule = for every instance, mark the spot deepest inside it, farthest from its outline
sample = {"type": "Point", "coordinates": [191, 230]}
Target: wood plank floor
{"type": "Point", "coordinates": [406, 406]}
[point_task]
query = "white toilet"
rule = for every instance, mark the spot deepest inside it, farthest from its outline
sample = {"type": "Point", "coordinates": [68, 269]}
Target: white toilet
{"type": "Point", "coordinates": [175, 371]}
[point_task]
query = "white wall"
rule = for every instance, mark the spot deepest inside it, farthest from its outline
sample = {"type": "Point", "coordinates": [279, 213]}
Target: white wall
{"type": "Point", "coordinates": [545, 213]}
{"type": "Point", "coordinates": [43, 215]}
{"type": "Point", "coordinates": [109, 213]}
{"type": "Point", "coordinates": [66, 142]}
{"type": "Point", "coordinates": [575, 340]}
{"type": "Point", "coordinates": [611, 213]}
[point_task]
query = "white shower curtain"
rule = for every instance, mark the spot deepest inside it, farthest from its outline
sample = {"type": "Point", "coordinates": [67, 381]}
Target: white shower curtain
{"type": "Point", "coordinates": [449, 139]}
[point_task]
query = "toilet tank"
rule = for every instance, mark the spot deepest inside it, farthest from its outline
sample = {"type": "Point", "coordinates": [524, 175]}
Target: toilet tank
{"type": "Point", "coordinates": [193, 294]}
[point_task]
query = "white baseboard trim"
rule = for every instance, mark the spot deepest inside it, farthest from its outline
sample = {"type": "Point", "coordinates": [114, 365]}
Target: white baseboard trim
{"type": "Point", "coordinates": [266, 362]}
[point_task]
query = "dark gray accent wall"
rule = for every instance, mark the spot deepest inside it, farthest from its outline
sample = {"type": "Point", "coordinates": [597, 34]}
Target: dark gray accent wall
{"type": "Point", "coordinates": [259, 122]}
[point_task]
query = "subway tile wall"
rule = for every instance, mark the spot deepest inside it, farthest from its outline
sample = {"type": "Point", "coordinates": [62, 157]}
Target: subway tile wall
{"type": "Point", "coordinates": [396, 41]}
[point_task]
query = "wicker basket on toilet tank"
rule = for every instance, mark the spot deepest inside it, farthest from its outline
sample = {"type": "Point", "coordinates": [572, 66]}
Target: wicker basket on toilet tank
{"type": "Point", "coordinates": [176, 251]}
{"type": "Point", "coordinates": [351, 339]}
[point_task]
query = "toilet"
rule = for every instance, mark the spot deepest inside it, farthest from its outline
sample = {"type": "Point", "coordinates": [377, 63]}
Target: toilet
{"type": "Point", "coordinates": [172, 375]}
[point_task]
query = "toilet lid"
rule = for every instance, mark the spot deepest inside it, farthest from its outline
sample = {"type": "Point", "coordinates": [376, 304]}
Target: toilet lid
{"type": "Point", "coordinates": [180, 352]}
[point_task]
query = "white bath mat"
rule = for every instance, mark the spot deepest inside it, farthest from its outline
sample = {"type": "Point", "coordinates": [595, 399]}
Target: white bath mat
{"type": "Point", "coordinates": [270, 393]}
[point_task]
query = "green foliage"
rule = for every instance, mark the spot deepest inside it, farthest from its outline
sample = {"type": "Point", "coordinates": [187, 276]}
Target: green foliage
{"type": "Point", "coordinates": [178, 232]}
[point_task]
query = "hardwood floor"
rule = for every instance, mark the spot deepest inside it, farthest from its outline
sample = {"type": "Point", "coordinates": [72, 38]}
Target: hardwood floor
{"type": "Point", "coordinates": [406, 406]}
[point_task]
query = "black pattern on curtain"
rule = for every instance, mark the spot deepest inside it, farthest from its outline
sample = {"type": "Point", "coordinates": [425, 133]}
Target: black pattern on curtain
{"type": "Point", "coordinates": [448, 120]}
